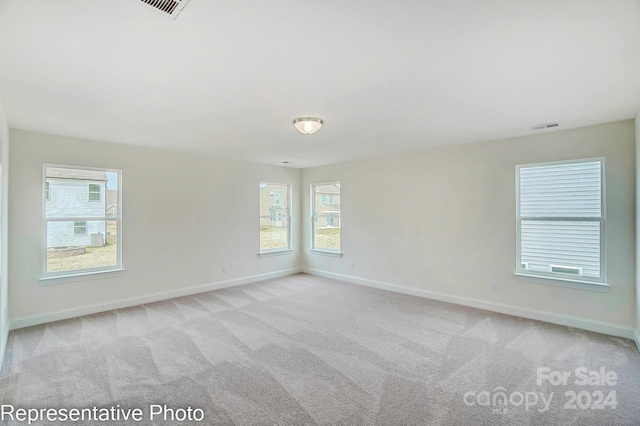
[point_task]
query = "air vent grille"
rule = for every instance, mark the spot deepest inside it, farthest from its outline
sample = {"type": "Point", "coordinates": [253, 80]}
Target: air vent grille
{"type": "Point", "coordinates": [168, 8]}
{"type": "Point", "coordinates": [566, 269]}
{"type": "Point", "coordinates": [545, 126]}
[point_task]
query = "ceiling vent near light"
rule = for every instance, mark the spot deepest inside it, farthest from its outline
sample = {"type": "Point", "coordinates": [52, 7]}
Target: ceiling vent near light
{"type": "Point", "coordinates": [545, 126]}
{"type": "Point", "coordinates": [168, 8]}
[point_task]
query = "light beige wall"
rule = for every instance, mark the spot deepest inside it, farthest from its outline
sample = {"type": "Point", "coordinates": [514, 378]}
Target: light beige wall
{"type": "Point", "coordinates": [183, 217]}
{"type": "Point", "coordinates": [4, 234]}
{"type": "Point", "coordinates": [443, 220]}
{"type": "Point", "coordinates": [637, 125]}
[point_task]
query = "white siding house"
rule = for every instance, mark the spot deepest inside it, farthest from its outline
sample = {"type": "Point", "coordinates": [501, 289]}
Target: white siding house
{"type": "Point", "coordinates": [561, 218]}
{"type": "Point", "coordinates": [73, 193]}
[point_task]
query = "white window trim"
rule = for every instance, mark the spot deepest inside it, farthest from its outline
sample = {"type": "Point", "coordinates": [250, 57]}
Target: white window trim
{"type": "Point", "coordinates": [279, 250]}
{"type": "Point", "coordinates": [324, 250]}
{"type": "Point", "coordinates": [558, 278]}
{"type": "Point", "coordinates": [562, 282]}
{"type": "Point", "coordinates": [62, 276]}
{"type": "Point", "coordinates": [86, 275]}
{"type": "Point", "coordinates": [275, 252]}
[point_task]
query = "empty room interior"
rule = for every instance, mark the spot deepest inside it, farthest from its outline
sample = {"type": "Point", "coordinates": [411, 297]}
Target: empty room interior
{"type": "Point", "coordinates": [175, 247]}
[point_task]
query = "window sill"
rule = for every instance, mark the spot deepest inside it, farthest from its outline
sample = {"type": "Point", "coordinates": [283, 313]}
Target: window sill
{"type": "Point", "coordinates": [81, 276]}
{"type": "Point", "coordinates": [326, 253]}
{"type": "Point", "coordinates": [562, 282]}
{"type": "Point", "coordinates": [275, 253]}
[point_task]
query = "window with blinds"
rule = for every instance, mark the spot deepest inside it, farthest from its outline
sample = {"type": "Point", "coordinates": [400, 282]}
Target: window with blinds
{"type": "Point", "coordinates": [561, 220]}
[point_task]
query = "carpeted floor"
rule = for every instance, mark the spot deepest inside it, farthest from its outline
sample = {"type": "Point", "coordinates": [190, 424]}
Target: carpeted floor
{"type": "Point", "coordinates": [307, 350]}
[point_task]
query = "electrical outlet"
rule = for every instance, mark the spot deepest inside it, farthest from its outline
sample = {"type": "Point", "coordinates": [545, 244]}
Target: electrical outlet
{"type": "Point", "coordinates": [352, 265]}
{"type": "Point", "coordinates": [224, 268]}
{"type": "Point", "coordinates": [494, 285]}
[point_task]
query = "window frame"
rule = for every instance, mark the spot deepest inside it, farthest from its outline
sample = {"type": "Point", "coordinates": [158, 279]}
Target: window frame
{"type": "Point", "coordinates": [48, 276]}
{"type": "Point", "coordinates": [287, 219]}
{"type": "Point", "coordinates": [600, 281]}
{"type": "Point", "coordinates": [315, 217]}
{"type": "Point", "coordinates": [94, 192]}
{"type": "Point", "coordinates": [76, 227]}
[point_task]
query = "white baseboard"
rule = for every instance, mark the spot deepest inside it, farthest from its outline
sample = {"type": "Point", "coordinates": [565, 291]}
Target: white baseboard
{"type": "Point", "coordinates": [4, 339]}
{"type": "Point", "coordinates": [637, 339]}
{"type": "Point", "coordinates": [581, 323]}
{"type": "Point", "coordinates": [30, 320]}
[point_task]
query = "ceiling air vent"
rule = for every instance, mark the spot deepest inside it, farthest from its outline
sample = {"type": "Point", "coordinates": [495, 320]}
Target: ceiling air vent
{"type": "Point", "coordinates": [168, 8]}
{"type": "Point", "coordinates": [545, 126]}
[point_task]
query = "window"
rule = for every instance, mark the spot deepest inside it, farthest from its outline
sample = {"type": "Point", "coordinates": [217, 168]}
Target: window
{"type": "Point", "coordinates": [325, 208]}
{"type": "Point", "coordinates": [94, 192]}
{"type": "Point", "coordinates": [561, 222]}
{"type": "Point", "coordinates": [81, 234]}
{"type": "Point", "coordinates": [79, 227]}
{"type": "Point", "coordinates": [275, 217]}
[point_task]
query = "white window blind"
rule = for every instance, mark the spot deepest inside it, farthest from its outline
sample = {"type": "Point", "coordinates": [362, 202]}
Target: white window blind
{"type": "Point", "coordinates": [561, 221]}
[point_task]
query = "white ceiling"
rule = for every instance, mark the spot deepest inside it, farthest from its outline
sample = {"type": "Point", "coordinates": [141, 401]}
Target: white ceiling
{"type": "Point", "coordinates": [228, 76]}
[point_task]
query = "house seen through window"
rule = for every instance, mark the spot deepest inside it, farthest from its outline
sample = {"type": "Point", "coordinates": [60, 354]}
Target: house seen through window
{"type": "Point", "coordinates": [82, 220]}
{"type": "Point", "coordinates": [275, 217]}
{"type": "Point", "coordinates": [326, 216]}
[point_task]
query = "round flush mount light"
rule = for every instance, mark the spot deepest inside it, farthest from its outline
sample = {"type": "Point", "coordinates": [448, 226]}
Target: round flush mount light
{"type": "Point", "coordinates": [308, 125]}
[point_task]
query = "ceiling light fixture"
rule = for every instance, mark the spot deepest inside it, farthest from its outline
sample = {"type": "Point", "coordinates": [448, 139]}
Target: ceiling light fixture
{"type": "Point", "coordinates": [308, 125]}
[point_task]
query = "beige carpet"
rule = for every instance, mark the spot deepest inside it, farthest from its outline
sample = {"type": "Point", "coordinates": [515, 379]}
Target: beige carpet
{"type": "Point", "coordinates": [306, 350]}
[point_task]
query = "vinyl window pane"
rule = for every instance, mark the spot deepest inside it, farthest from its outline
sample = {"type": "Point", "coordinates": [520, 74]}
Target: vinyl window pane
{"type": "Point", "coordinates": [564, 190]}
{"type": "Point", "coordinates": [327, 237]}
{"type": "Point", "coordinates": [70, 251]}
{"type": "Point", "coordinates": [274, 216]}
{"type": "Point", "coordinates": [563, 243]}
{"type": "Point", "coordinates": [327, 198]}
{"type": "Point", "coordinates": [81, 220]}
{"type": "Point", "coordinates": [326, 216]}
{"type": "Point", "coordinates": [273, 237]}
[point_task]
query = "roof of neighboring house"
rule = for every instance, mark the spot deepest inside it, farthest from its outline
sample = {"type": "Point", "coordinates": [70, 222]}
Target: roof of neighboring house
{"type": "Point", "coordinates": [112, 198]}
{"type": "Point", "coordinates": [53, 172]}
{"type": "Point", "coordinates": [330, 208]}
{"type": "Point", "coordinates": [328, 189]}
